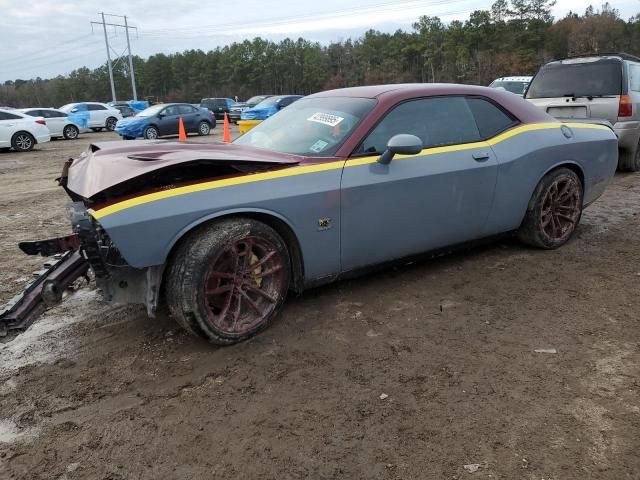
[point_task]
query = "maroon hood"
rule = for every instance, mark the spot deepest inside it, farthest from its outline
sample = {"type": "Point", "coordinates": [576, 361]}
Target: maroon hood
{"type": "Point", "coordinates": [104, 165]}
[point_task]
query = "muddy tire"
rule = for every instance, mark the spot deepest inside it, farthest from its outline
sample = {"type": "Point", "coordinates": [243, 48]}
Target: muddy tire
{"type": "Point", "coordinates": [630, 162]}
{"type": "Point", "coordinates": [554, 210]}
{"type": "Point", "coordinates": [227, 280]}
{"type": "Point", "coordinates": [23, 142]}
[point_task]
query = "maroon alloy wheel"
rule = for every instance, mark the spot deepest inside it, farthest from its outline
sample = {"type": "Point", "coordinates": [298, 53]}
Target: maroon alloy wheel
{"type": "Point", "coordinates": [244, 285]}
{"type": "Point", "coordinates": [561, 208]}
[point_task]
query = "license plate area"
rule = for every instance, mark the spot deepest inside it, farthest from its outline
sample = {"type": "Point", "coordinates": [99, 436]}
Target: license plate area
{"type": "Point", "coordinates": [568, 112]}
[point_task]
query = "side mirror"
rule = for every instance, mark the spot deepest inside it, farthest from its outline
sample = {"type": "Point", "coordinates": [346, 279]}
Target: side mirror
{"type": "Point", "coordinates": [161, 115]}
{"type": "Point", "coordinates": [74, 110]}
{"type": "Point", "coordinates": [403, 144]}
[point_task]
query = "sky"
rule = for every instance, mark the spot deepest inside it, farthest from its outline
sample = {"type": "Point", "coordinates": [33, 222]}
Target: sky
{"type": "Point", "coordinates": [45, 38]}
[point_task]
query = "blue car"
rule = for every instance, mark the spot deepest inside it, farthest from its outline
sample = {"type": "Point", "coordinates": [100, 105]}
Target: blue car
{"type": "Point", "coordinates": [163, 119]}
{"type": "Point", "coordinates": [268, 107]}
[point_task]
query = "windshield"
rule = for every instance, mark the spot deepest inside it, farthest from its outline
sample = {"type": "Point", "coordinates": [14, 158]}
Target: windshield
{"type": "Point", "coordinates": [598, 78]}
{"type": "Point", "coordinates": [313, 127]}
{"type": "Point", "coordinates": [256, 100]}
{"type": "Point", "coordinates": [151, 111]}
{"type": "Point", "coordinates": [269, 102]}
{"type": "Point", "coordinates": [511, 86]}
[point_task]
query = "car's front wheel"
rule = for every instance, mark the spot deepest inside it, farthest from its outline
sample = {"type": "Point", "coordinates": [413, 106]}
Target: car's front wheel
{"type": "Point", "coordinates": [227, 280]}
{"type": "Point", "coordinates": [203, 128]}
{"type": "Point", "coordinates": [70, 132]}
{"type": "Point", "coordinates": [151, 132]}
{"type": "Point", "coordinates": [23, 142]}
{"type": "Point", "coordinates": [554, 210]}
{"type": "Point", "coordinates": [111, 124]}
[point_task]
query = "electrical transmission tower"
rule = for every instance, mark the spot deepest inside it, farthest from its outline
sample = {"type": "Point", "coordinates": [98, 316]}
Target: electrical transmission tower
{"type": "Point", "coordinates": [118, 57]}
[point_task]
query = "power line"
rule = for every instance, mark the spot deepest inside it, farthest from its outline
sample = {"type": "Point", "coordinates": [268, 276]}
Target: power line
{"type": "Point", "coordinates": [326, 15]}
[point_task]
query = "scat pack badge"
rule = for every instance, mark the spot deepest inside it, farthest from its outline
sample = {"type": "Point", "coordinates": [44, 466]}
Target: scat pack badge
{"type": "Point", "coordinates": [324, 224]}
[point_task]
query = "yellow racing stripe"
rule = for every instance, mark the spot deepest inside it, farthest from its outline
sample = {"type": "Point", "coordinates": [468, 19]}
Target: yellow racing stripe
{"type": "Point", "coordinates": [321, 167]}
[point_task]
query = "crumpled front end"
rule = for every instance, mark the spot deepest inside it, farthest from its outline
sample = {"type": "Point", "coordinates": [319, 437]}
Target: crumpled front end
{"type": "Point", "coordinates": [117, 281]}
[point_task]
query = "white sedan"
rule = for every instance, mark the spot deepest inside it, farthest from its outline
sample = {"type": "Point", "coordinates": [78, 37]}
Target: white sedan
{"type": "Point", "coordinates": [93, 115]}
{"type": "Point", "coordinates": [59, 123]}
{"type": "Point", "coordinates": [21, 132]}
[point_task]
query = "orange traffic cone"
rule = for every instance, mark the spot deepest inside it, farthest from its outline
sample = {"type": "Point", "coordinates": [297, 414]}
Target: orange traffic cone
{"type": "Point", "coordinates": [226, 134]}
{"type": "Point", "coordinates": [182, 134]}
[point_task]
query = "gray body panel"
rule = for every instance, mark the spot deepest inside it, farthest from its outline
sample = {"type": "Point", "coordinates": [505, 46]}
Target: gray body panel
{"type": "Point", "coordinates": [414, 205]}
{"type": "Point", "coordinates": [146, 233]}
{"type": "Point", "coordinates": [379, 213]}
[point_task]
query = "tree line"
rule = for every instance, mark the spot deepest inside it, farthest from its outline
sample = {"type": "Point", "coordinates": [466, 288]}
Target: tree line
{"type": "Point", "coordinates": [511, 38]}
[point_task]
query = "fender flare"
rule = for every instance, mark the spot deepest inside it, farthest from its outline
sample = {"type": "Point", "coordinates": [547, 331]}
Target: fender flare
{"type": "Point", "coordinates": [289, 236]}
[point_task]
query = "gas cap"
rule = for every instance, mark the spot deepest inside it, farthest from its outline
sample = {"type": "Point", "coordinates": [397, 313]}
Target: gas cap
{"type": "Point", "coordinates": [566, 131]}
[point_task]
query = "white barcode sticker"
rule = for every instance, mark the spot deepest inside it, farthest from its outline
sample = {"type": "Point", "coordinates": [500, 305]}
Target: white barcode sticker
{"type": "Point", "coordinates": [325, 118]}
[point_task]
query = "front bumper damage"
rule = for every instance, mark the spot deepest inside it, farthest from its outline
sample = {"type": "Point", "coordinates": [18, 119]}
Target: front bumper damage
{"type": "Point", "coordinates": [70, 258]}
{"type": "Point", "coordinates": [64, 267]}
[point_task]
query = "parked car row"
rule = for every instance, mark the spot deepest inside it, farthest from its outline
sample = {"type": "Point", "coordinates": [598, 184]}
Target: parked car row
{"type": "Point", "coordinates": [595, 88]}
{"type": "Point", "coordinates": [164, 119]}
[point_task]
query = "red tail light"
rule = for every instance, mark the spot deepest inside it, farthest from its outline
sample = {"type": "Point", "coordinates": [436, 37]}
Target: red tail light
{"type": "Point", "coordinates": [625, 109]}
{"type": "Point", "coordinates": [41, 122]}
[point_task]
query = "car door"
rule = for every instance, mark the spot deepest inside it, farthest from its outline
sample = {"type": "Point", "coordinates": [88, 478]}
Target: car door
{"type": "Point", "coordinates": [55, 121]}
{"type": "Point", "coordinates": [7, 128]}
{"type": "Point", "coordinates": [190, 117]}
{"type": "Point", "coordinates": [439, 197]}
{"type": "Point", "coordinates": [168, 121]}
{"type": "Point", "coordinates": [97, 115]}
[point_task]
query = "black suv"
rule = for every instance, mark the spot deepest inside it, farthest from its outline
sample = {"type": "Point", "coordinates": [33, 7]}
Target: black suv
{"type": "Point", "coordinates": [218, 106]}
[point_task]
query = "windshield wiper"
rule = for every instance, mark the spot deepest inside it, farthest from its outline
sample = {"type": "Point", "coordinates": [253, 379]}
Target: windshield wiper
{"type": "Point", "coordinates": [588, 97]}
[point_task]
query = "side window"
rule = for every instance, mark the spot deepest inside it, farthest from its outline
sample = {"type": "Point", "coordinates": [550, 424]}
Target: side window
{"type": "Point", "coordinates": [490, 119]}
{"type": "Point", "coordinates": [170, 111]}
{"type": "Point", "coordinates": [186, 109]}
{"type": "Point", "coordinates": [95, 106]}
{"type": "Point", "coordinates": [436, 121]}
{"type": "Point", "coordinates": [221, 103]}
{"type": "Point", "coordinates": [33, 113]}
{"type": "Point", "coordinates": [634, 77]}
{"type": "Point", "coordinates": [9, 116]}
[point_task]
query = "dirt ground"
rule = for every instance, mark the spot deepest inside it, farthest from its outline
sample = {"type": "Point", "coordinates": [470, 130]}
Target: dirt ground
{"type": "Point", "coordinates": [412, 373]}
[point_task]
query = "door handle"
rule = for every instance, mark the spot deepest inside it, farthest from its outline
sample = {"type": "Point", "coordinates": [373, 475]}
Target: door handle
{"type": "Point", "coordinates": [480, 156]}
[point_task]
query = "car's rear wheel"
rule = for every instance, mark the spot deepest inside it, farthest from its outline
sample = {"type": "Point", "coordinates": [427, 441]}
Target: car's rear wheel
{"type": "Point", "coordinates": [151, 132]}
{"type": "Point", "coordinates": [70, 132]}
{"type": "Point", "coordinates": [23, 142]}
{"type": "Point", "coordinates": [111, 124]}
{"type": "Point", "coordinates": [227, 280]}
{"type": "Point", "coordinates": [554, 210]}
{"type": "Point", "coordinates": [204, 128]}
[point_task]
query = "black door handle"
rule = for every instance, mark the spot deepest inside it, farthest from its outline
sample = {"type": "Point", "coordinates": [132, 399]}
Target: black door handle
{"type": "Point", "coordinates": [481, 156]}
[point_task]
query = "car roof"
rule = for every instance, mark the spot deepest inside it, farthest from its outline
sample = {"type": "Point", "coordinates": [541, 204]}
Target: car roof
{"type": "Point", "coordinates": [524, 78]}
{"type": "Point", "coordinates": [405, 90]}
{"type": "Point", "coordinates": [389, 95]}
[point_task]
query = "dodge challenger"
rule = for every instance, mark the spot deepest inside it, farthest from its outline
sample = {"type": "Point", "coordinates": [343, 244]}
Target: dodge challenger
{"type": "Point", "coordinates": [336, 183]}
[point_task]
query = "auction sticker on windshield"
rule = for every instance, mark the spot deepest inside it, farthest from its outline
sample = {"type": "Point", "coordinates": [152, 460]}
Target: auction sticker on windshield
{"type": "Point", "coordinates": [325, 118]}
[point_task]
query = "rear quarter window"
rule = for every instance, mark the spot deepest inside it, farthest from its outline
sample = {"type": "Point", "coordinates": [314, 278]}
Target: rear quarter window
{"type": "Point", "coordinates": [491, 120]}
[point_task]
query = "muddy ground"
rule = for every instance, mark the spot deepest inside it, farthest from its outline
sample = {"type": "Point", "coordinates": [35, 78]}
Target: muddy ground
{"type": "Point", "coordinates": [95, 392]}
